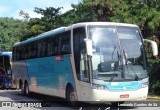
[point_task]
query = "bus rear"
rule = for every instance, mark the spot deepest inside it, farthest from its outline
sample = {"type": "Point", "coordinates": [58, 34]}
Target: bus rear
{"type": "Point", "coordinates": [5, 70]}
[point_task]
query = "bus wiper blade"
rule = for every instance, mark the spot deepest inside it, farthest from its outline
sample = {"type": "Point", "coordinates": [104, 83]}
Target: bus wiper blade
{"type": "Point", "coordinates": [112, 60]}
{"type": "Point", "coordinates": [135, 74]}
{"type": "Point", "coordinates": [136, 77]}
{"type": "Point", "coordinates": [111, 79]}
{"type": "Point", "coordinates": [125, 57]}
{"type": "Point", "coordinates": [113, 52]}
{"type": "Point", "coordinates": [119, 60]}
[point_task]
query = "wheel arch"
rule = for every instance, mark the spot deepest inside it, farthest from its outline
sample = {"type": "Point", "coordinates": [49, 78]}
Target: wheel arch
{"type": "Point", "coordinates": [68, 85]}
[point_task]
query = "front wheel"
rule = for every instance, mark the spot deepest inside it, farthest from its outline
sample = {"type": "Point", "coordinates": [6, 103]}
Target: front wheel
{"type": "Point", "coordinates": [70, 96]}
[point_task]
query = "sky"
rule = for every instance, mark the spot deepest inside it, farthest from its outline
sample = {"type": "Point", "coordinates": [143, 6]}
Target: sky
{"type": "Point", "coordinates": [11, 8]}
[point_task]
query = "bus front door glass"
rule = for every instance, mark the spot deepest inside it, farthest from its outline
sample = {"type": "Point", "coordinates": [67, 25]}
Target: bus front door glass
{"type": "Point", "coordinates": [80, 57]}
{"type": "Point", "coordinates": [118, 53]}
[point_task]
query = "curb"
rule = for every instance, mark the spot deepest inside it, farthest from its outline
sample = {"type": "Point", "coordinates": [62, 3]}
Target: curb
{"type": "Point", "coordinates": [153, 98]}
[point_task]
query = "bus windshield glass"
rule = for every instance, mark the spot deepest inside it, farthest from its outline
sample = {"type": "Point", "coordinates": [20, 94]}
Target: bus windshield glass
{"type": "Point", "coordinates": [118, 53]}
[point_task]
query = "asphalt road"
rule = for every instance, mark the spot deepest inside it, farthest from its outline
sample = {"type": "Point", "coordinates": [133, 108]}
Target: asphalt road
{"type": "Point", "coordinates": [15, 101]}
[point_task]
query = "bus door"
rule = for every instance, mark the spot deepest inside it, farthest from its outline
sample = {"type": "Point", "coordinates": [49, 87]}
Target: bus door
{"type": "Point", "coordinates": [81, 63]}
{"type": "Point", "coordinates": [85, 83]}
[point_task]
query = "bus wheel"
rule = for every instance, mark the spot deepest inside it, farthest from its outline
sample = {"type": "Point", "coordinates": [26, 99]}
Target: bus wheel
{"type": "Point", "coordinates": [2, 86]}
{"type": "Point", "coordinates": [22, 89]}
{"type": "Point", "coordinates": [26, 89]}
{"type": "Point", "coordinates": [70, 96]}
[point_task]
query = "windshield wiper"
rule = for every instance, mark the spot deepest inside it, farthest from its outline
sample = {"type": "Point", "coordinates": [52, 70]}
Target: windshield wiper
{"type": "Point", "coordinates": [111, 64]}
{"type": "Point", "coordinates": [119, 60]}
{"type": "Point", "coordinates": [113, 52]}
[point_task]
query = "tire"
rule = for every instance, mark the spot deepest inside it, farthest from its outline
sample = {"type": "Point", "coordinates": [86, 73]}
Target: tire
{"type": "Point", "coordinates": [70, 97]}
{"type": "Point", "coordinates": [26, 89]}
{"type": "Point", "coordinates": [2, 86]}
{"type": "Point", "coordinates": [22, 89]}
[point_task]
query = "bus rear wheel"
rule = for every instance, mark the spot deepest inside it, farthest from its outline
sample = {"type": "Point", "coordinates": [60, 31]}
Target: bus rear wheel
{"type": "Point", "coordinates": [26, 89]}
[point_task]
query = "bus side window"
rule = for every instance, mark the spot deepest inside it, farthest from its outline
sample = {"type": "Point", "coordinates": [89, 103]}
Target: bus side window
{"type": "Point", "coordinates": [18, 53]}
{"type": "Point", "coordinates": [44, 49]}
{"type": "Point", "coordinates": [26, 52]}
{"type": "Point", "coordinates": [52, 46]}
{"type": "Point", "coordinates": [39, 52]}
{"type": "Point", "coordinates": [49, 46]}
{"type": "Point", "coordinates": [65, 43]}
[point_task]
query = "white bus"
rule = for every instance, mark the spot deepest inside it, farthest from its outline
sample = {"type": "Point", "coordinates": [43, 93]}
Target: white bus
{"type": "Point", "coordinates": [92, 61]}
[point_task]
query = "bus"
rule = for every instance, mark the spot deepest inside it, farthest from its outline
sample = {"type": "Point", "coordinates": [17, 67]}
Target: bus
{"type": "Point", "coordinates": [91, 61]}
{"type": "Point", "coordinates": [5, 70]}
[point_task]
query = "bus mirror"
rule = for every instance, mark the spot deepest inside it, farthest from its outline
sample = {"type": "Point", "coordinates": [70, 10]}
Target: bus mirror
{"type": "Point", "coordinates": [153, 45]}
{"type": "Point", "coordinates": [88, 46]}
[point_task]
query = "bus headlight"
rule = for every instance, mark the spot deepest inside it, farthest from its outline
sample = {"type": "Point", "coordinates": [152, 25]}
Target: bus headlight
{"type": "Point", "coordinates": [143, 85]}
{"type": "Point", "coordinates": [99, 86]}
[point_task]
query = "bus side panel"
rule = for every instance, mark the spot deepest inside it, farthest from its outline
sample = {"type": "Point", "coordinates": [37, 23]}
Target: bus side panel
{"type": "Point", "coordinates": [50, 75]}
{"type": "Point", "coordinates": [19, 72]}
{"type": "Point", "coordinates": [63, 75]}
{"type": "Point", "coordinates": [37, 74]}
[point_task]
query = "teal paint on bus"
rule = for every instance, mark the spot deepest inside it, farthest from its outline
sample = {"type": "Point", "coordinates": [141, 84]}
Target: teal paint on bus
{"type": "Point", "coordinates": [50, 72]}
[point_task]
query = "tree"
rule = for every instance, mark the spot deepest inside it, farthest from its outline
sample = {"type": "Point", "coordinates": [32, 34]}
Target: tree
{"type": "Point", "coordinates": [24, 15]}
{"type": "Point", "coordinates": [50, 20]}
{"type": "Point", "coordinates": [87, 10]}
{"type": "Point", "coordinates": [51, 17]}
{"type": "Point", "coordinates": [11, 31]}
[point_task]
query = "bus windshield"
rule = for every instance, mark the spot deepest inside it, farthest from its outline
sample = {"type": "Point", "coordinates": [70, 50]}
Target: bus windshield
{"type": "Point", "coordinates": [118, 53]}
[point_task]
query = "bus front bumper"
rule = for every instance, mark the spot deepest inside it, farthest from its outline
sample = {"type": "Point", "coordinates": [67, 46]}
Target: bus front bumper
{"type": "Point", "coordinates": [96, 95]}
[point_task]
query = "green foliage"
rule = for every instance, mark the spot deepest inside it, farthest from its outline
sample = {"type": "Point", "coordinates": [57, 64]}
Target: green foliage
{"type": "Point", "coordinates": [50, 17]}
{"type": "Point", "coordinates": [156, 88]}
{"type": "Point", "coordinates": [10, 32]}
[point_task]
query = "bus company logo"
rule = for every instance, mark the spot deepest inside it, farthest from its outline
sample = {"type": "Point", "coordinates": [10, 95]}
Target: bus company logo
{"type": "Point", "coordinates": [6, 104]}
{"type": "Point", "coordinates": [21, 104]}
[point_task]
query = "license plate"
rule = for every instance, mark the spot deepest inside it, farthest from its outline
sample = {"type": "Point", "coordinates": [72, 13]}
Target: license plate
{"type": "Point", "coordinates": [124, 96]}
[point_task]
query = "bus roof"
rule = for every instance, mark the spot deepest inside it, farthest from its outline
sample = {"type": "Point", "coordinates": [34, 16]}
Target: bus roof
{"type": "Point", "coordinates": [6, 54]}
{"type": "Point", "coordinates": [43, 35]}
{"type": "Point", "coordinates": [63, 29]}
{"type": "Point", "coordinates": [106, 23]}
